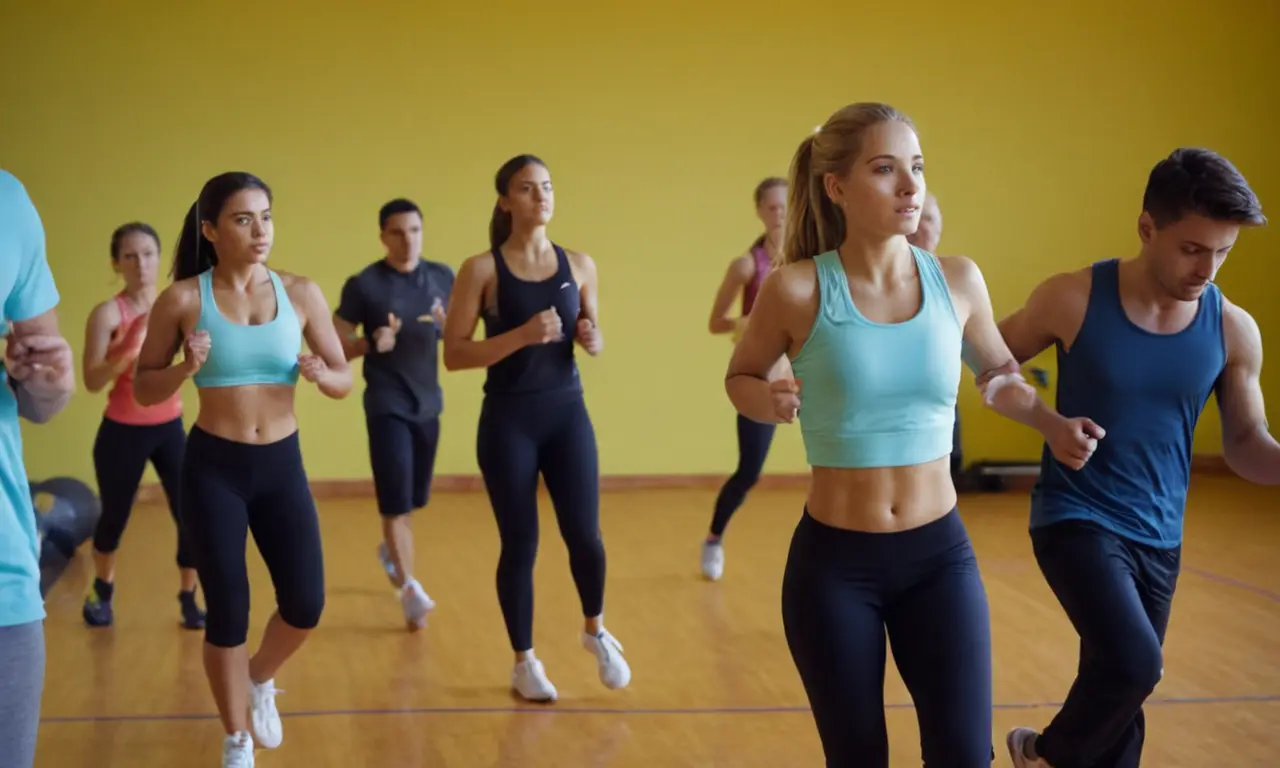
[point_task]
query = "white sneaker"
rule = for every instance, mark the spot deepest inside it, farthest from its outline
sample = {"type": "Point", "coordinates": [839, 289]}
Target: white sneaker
{"type": "Point", "coordinates": [416, 604]}
{"type": "Point", "coordinates": [264, 718]}
{"type": "Point", "coordinates": [237, 751]}
{"type": "Point", "coordinates": [712, 560]}
{"type": "Point", "coordinates": [529, 680]}
{"type": "Point", "coordinates": [1016, 741]}
{"type": "Point", "coordinates": [614, 672]}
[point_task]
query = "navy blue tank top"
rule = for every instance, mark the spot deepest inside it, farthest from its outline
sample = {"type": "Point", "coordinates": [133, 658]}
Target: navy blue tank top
{"type": "Point", "coordinates": [538, 368]}
{"type": "Point", "coordinates": [1147, 391]}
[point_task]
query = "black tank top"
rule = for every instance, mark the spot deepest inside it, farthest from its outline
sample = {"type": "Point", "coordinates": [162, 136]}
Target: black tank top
{"type": "Point", "coordinates": [537, 368]}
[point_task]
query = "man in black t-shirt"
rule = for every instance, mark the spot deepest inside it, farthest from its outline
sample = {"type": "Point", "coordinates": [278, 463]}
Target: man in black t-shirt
{"type": "Point", "coordinates": [398, 304]}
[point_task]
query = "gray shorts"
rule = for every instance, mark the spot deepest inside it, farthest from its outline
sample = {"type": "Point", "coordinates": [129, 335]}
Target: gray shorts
{"type": "Point", "coordinates": [21, 687]}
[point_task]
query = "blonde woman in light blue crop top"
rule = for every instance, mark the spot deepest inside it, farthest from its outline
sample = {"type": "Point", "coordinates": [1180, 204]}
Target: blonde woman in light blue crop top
{"type": "Point", "coordinates": [240, 326]}
{"type": "Point", "coordinates": [875, 330]}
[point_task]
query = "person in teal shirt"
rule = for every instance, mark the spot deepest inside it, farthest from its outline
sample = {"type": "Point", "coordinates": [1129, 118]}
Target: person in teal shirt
{"type": "Point", "coordinates": [38, 379]}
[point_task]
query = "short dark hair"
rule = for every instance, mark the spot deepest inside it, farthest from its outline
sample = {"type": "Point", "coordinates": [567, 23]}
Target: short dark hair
{"type": "Point", "coordinates": [399, 205]}
{"type": "Point", "coordinates": [1202, 182]}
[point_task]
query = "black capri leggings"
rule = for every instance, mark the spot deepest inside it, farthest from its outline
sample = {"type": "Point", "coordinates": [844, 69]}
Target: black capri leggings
{"type": "Point", "coordinates": [518, 438]}
{"type": "Point", "coordinates": [842, 590]}
{"type": "Point", "coordinates": [120, 456]}
{"type": "Point", "coordinates": [231, 488]}
{"type": "Point", "coordinates": [754, 440]}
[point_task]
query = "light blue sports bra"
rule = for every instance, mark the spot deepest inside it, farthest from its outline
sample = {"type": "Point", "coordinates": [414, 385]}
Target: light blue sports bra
{"type": "Point", "coordinates": [875, 394]}
{"type": "Point", "coordinates": [240, 355]}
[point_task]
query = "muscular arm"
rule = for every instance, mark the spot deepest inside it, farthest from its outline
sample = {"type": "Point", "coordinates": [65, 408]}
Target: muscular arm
{"type": "Point", "coordinates": [589, 292]}
{"type": "Point", "coordinates": [99, 369]}
{"type": "Point", "coordinates": [322, 339]}
{"type": "Point", "coordinates": [155, 378]}
{"type": "Point", "coordinates": [1247, 445]}
{"type": "Point", "coordinates": [989, 357]}
{"type": "Point", "coordinates": [736, 276]}
{"type": "Point", "coordinates": [761, 356]}
{"type": "Point", "coordinates": [461, 350]}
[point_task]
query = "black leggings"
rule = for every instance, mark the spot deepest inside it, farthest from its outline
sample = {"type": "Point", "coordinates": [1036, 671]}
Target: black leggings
{"type": "Point", "coordinates": [120, 456]}
{"type": "Point", "coordinates": [754, 440]}
{"type": "Point", "coordinates": [843, 590]}
{"type": "Point", "coordinates": [518, 438]}
{"type": "Point", "coordinates": [1118, 595]}
{"type": "Point", "coordinates": [231, 488]}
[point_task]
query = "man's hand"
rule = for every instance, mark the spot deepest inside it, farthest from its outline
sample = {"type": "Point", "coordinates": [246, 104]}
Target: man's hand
{"type": "Point", "coordinates": [38, 360]}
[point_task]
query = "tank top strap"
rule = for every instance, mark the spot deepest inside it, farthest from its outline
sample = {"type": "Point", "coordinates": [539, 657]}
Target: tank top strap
{"type": "Point", "coordinates": [283, 302]}
{"type": "Point", "coordinates": [126, 312]}
{"type": "Point", "coordinates": [564, 270]}
{"type": "Point", "coordinates": [936, 292]}
{"type": "Point", "coordinates": [835, 303]}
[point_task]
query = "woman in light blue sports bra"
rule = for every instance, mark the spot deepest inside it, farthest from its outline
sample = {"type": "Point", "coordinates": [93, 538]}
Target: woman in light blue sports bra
{"type": "Point", "coordinates": [873, 329]}
{"type": "Point", "coordinates": [240, 326]}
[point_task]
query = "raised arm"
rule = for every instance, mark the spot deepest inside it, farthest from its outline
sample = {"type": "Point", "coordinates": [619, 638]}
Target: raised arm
{"type": "Point", "coordinates": [738, 274]}
{"type": "Point", "coordinates": [461, 350]}
{"type": "Point", "coordinates": [155, 377]}
{"type": "Point", "coordinates": [100, 363]}
{"type": "Point", "coordinates": [759, 381]}
{"type": "Point", "coordinates": [334, 379]}
{"type": "Point", "coordinates": [1247, 445]}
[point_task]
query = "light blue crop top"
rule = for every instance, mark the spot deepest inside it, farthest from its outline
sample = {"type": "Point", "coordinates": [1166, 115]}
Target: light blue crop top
{"type": "Point", "coordinates": [875, 394]}
{"type": "Point", "coordinates": [248, 354]}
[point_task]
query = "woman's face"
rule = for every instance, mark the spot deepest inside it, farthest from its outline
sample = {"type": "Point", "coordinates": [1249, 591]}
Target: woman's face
{"type": "Point", "coordinates": [244, 232]}
{"type": "Point", "coordinates": [883, 193]}
{"type": "Point", "coordinates": [138, 260]}
{"type": "Point", "coordinates": [530, 198]}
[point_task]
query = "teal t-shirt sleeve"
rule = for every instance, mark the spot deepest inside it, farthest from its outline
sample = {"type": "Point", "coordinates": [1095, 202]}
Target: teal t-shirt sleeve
{"type": "Point", "coordinates": [34, 291]}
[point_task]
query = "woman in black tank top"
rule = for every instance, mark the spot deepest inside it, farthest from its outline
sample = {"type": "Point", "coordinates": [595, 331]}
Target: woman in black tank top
{"type": "Point", "coordinates": [537, 300]}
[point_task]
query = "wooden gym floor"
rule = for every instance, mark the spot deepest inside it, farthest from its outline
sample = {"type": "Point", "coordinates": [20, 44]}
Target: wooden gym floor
{"type": "Point", "coordinates": [713, 684]}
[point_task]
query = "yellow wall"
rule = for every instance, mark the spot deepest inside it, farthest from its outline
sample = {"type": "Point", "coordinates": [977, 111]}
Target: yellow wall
{"type": "Point", "coordinates": [1039, 128]}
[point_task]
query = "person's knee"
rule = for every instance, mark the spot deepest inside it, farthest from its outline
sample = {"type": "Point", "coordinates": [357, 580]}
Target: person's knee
{"type": "Point", "coordinates": [227, 619]}
{"type": "Point", "coordinates": [1137, 665]}
{"type": "Point", "coordinates": [301, 607]}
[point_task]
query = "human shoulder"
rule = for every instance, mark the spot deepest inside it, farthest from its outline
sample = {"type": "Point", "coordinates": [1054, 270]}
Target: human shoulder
{"type": "Point", "coordinates": [301, 289]}
{"type": "Point", "coordinates": [439, 269]}
{"type": "Point", "coordinates": [580, 261]}
{"type": "Point", "coordinates": [1240, 333]}
{"type": "Point", "coordinates": [792, 283]}
{"type": "Point", "coordinates": [105, 313]}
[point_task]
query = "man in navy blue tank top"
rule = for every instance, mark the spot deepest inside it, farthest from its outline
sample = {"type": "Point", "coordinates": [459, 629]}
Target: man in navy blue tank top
{"type": "Point", "coordinates": [1142, 343]}
{"type": "Point", "coordinates": [399, 301]}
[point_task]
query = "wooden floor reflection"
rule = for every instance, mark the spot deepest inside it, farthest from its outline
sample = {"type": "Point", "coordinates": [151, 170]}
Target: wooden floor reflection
{"type": "Point", "coordinates": [713, 684]}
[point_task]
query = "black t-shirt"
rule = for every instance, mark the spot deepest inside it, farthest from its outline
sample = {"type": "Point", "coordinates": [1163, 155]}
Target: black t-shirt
{"type": "Point", "coordinates": [405, 381]}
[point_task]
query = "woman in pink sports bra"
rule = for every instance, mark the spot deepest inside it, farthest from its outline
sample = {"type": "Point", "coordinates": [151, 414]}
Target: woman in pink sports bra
{"type": "Point", "coordinates": [744, 276]}
{"type": "Point", "coordinates": [130, 434]}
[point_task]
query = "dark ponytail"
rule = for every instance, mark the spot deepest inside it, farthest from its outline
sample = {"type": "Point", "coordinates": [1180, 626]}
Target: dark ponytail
{"type": "Point", "coordinates": [500, 223]}
{"type": "Point", "coordinates": [194, 253]}
{"type": "Point", "coordinates": [499, 226]}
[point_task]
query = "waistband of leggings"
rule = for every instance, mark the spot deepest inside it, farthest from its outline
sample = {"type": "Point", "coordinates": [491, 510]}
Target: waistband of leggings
{"type": "Point", "coordinates": [929, 540]}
